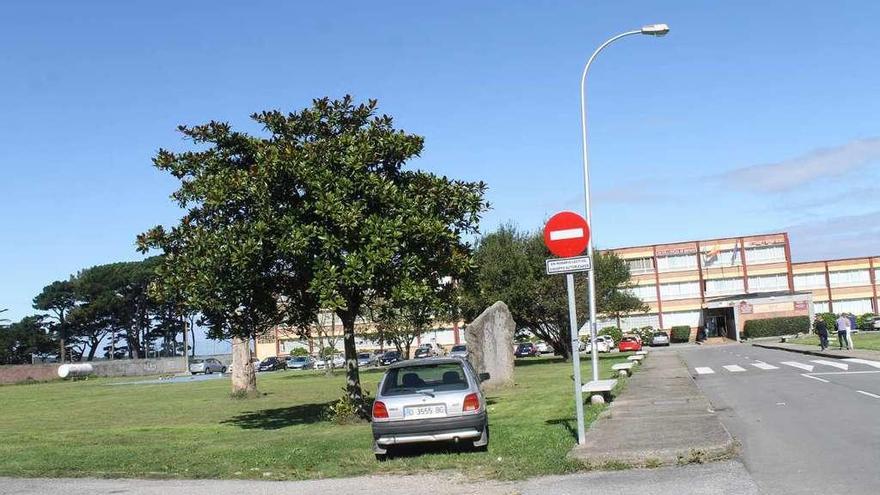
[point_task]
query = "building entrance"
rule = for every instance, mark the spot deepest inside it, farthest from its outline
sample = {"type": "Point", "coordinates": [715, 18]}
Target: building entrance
{"type": "Point", "coordinates": [719, 323]}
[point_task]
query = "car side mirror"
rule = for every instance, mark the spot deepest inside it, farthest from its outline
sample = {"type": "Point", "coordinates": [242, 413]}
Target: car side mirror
{"type": "Point", "coordinates": [483, 377]}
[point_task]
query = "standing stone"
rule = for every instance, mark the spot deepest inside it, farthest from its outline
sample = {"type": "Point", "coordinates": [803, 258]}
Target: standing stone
{"type": "Point", "coordinates": [490, 345]}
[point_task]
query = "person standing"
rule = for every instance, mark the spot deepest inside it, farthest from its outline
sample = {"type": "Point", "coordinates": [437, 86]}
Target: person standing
{"type": "Point", "coordinates": [822, 331]}
{"type": "Point", "coordinates": [852, 328]}
{"type": "Point", "coordinates": [843, 331]}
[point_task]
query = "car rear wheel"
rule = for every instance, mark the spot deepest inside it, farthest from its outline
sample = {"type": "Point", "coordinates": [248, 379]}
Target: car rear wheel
{"type": "Point", "coordinates": [208, 371]}
{"type": "Point", "coordinates": [223, 369]}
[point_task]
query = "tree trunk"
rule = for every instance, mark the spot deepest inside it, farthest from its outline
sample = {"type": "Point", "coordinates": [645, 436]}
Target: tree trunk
{"type": "Point", "coordinates": [93, 349]}
{"type": "Point", "coordinates": [352, 375]}
{"type": "Point", "coordinates": [244, 378]}
{"type": "Point", "coordinates": [192, 340]}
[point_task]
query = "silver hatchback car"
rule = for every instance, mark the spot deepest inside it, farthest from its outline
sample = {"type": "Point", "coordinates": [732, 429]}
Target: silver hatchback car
{"type": "Point", "coordinates": [430, 400]}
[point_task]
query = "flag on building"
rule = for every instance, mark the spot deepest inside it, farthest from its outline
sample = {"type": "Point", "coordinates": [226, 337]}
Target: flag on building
{"type": "Point", "coordinates": [735, 254]}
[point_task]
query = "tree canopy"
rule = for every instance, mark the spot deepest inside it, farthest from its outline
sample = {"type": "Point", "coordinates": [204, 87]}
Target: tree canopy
{"type": "Point", "coordinates": [319, 212]}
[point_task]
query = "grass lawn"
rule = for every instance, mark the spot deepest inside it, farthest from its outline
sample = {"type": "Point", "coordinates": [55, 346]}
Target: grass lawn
{"type": "Point", "coordinates": [862, 340]}
{"type": "Point", "coordinates": [194, 430]}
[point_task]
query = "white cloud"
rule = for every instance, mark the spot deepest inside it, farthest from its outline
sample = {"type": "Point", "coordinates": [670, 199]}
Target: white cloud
{"type": "Point", "coordinates": [836, 237]}
{"type": "Point", "coordinates": [797, 171]}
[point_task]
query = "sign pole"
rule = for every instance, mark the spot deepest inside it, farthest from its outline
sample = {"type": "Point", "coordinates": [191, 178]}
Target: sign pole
{"type": "Point", "coordinates": [575, 358]}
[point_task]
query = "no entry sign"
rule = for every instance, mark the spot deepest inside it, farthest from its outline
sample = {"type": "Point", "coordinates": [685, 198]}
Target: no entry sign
{"type": "Point", "coordinates": [566, 234]}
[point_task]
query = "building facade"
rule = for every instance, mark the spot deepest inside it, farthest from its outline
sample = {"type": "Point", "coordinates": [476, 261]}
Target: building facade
{"type": "Point", "coordinates": [718, 284]}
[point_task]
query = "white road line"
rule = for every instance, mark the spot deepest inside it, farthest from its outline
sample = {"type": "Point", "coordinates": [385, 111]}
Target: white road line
{"type": "Point", "coordinates": [734, 368]}
{"type": "Point", "coordinates": [841, 366]}
{"type": "Point", "coordinates": [869, 394]}
{"type": "Point", "coordinates": [764, 366]}
{"type": "Point", "coordinates": [558, 235]}
{"type": "Point", "coordinates": [846, 372]}
{"type": "Point", "coordinates": [875, 364]}
{"type": "Point", "coordinates": [815, 378]}
{"type": "Point", "coordinates": [795, 364]}
{"type": "Point", "coordinates": [704, 370]}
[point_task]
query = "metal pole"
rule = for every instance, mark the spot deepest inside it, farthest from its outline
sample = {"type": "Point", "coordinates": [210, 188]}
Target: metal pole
{"type": "Point", "coordinates": [575, 358]}
{"type": "Point", "coordinates": [591, 275]}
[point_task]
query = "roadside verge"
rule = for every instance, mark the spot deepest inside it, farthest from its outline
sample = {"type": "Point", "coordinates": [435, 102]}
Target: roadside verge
{"type": "Point", "coordinates": [661, 418]}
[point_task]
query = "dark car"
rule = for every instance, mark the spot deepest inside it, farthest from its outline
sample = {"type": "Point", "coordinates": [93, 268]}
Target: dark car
{"type": "Point", "coordinates": [272, 364]}
{"type": "Point", "coordinates": [526, 350]}
{"type": "Point", "coordinates": [422, 352]}
{"type": "Point", "coordinates": [389, 357]}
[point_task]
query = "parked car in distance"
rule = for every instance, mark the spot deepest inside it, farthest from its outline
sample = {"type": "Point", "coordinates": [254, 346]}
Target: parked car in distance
{"type": "Point", "coordinates": [389, 357]}
{"type": "Point", "coordinates": [660, 338]}
{"type": "Point", "coordinates": [422, 352]}
{"type": "Point", "coordinates": [602, 344]}
{"type": "Point", "coordinates": [526, 349]}
{"type": "Point", "coordinates": [336, 361]}
{"type": "Point", "coordinates": [459, 351]}
{"type": "Point", "coordinates": [543, 348]}
{"type": "Point", "coordinates": [300, 363]}
{"type": "Point", "coordinates": [206, 366]}
{"type": "Point", "coordinates": [432, 348]}
{"type": "Point", "coordinates": [630, 343]}
{"type": "Point", "coordinates": [272, 363]}
{"type": "Point", "coordinates": [429, 400]}
{"type": "Point", "coordinates": [366, 359]}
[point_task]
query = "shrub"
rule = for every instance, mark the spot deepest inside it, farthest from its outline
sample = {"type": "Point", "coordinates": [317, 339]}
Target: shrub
{"type": "Point", "coordinates": [830, 321]}
{"type": "Point", "coordinates": [299, 351]}
{"type": "Point", "coordinates": [772, 327]}
{"type": "Point", "coordinates": [345, 411]}
{"type": "Point", "coordinates": [866, 321]}
{"type": "Point", "coordinates": [680, 333]}
{"type": "Point", "coordinates": [613, 332]}
{"type": "Point", "coordinates": [644, 333]}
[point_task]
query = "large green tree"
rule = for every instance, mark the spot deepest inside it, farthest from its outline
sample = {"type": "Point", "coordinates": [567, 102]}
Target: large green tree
{"type": "Point", "coordinates": [59, 297]}
{"type": "Point", "coordinates": [318, 212]}
{"type": "Point", "coordinates": [510, 268]}
{"type": "Point", "coordinates": [21, 341]}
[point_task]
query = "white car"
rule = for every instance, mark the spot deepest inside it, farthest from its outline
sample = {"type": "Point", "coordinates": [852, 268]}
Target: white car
{"type": "Point", "coordinates": [543, 348]}
{"type": "Point", "coordinates": [338, 362]}
{"type": "Point", "coordinates": [604, 343]}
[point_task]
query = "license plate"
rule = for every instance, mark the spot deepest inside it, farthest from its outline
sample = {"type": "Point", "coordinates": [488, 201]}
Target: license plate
{"type": "Point", "coordinates": [433, 411]}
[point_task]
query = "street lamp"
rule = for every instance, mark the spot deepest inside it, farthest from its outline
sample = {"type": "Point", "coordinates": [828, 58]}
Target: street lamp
{"type": "Point", "coordinates": [650, 30]}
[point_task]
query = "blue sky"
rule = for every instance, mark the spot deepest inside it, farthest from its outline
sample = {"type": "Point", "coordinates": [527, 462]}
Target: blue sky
{"type": "Point", "coordinates": [749, 117]}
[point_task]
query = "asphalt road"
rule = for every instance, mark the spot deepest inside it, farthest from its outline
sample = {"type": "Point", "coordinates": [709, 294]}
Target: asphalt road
{"type": "Point", "coordinates": [805, 426]}
{"type": "Point", "coordinates": [723, 478]}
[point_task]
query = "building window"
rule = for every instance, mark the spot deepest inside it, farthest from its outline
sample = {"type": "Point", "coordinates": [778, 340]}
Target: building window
{"type": "Point", "coordinates": [765, 254]}
{"type": "Point", "coordinates": [681, 290]}
{"type": "Point", "coordinates": [640, 265]}
{"type": "Point", "coordinates": [644, 292]}
{"type": "Point", "coordinates": [721, 286]}
{"type": "Point", "coordinates": [728, 257]}
{"type": "Point", "coordinates": [849, 277]}
{"type": "Point", "coordinates": [854, 306]}
{"type": "Point", "coordinates": [820, 307]}
{"type": "Point", "coordinates": [809, 281]}
{"type": "Point", "coordinates": [768, 283]}
{"type": "Point", "coordinates": [676, 262]}
{"type": "Point", "coordinates": [689, 318]}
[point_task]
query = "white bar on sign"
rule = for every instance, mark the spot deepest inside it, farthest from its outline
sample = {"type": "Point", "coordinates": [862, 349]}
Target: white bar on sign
{"type": "Point", "coordinates": [559, 235]}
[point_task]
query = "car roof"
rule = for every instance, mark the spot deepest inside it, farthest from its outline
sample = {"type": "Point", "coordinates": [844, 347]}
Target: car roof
{"type": "Point", "coordinates": [424, 362]}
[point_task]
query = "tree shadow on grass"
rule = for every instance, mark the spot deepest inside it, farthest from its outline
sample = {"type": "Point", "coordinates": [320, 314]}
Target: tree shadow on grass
{"type": "Point", "coordinates": [568, 423]}
{"type": "Point", "coordinates": [282, 417]}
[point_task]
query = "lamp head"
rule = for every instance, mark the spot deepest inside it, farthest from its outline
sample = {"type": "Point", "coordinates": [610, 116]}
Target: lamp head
{"type": "Point", "coordinates": [655, 29]}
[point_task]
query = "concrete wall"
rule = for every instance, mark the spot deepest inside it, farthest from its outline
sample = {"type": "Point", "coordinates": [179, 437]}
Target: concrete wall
{"type": "Point", "coordinates": [19, 373]}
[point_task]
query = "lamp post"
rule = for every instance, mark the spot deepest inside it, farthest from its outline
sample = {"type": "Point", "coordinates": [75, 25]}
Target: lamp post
{"type": "Point", "coordinates": [650, 30]}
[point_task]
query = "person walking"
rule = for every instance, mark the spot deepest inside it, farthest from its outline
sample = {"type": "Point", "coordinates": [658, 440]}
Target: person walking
{"type": "Point", "coordinates": [843, 331]}
{"type": "Point", "coordinates": [853, 326]}
{"type": "Point", "coordinates": [822, 331]}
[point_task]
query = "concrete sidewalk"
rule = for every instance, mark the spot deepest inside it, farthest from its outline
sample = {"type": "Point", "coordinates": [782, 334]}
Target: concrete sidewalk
{"type": "Point", "coordinates": [831, 352]}
{"type": "Point", "coordinates": [660, 418]}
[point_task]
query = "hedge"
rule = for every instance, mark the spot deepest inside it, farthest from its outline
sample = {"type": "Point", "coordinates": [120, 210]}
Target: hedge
{"type": "Point", "coordinates": [680, 333]}
{"type": "Point", "coordinates": [772, 327]}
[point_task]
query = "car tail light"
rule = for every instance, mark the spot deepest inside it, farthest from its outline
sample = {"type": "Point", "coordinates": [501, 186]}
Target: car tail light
{"type": "Point", "coordinates": [379, 410]}
{"type": "Point", "coordinates": [471, 403]}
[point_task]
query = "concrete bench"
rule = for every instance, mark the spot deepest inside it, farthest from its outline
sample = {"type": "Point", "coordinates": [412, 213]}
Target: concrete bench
{"type": "Point", "coordinates": [637, 358]}
{"type": "Point", "coordinates": [623, 369]}
{"type": "Point", "coordinates": [641, 353]}
{"type": "Point", "coordinates": [598, 389]}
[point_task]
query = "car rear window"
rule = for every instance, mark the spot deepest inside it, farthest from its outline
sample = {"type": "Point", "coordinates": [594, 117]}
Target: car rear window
{"type": "Point", "coordinates": [459, 348]}
{"type": "Point", "coordinates": [198, 361]}
{"type": "Point", "coordinates": [363, 356]}
{"type": "Point", "coordinates": [629, 339]}
{"type": "Point", "coordinates": [438, 377]}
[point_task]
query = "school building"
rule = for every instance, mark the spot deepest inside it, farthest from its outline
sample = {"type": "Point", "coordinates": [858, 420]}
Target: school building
{"type": "Point", "coordinates": [719, 284]}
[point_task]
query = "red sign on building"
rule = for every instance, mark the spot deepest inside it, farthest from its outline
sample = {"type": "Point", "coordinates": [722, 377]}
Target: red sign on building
{"type": "Point", "coordinates": [745, 308]}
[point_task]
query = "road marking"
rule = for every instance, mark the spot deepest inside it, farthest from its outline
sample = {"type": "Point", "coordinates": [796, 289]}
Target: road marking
{"type": "Point", "coordinates": [559, 235]}
{"type": "Point", "coordinates": [875, 364]}
{"type": "Point", "coordinates": [846, 372]}
{"type": "Point", "coordinates": [764, 366]}
{"type": "Point", "coordinates": [869, 394]}
{"type": "Point", "coordinates": [815, 378]}
{"type": "Point", "coordinates": [704, 371]}
{"type": "Point", "coordinates": [842, 366]}
{"type": "Point", "coordinates": [795, 364]}
{"type": "Point", "coordinates": [734, 368]}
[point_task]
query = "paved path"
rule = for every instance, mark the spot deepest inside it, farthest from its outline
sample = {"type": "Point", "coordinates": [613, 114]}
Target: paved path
{"type": "Point", "coordinates": [724, 478]}
{"type": "Point", "coordinates": [805, 424]}
{"type": "Point", "coordinates": [660, 417]}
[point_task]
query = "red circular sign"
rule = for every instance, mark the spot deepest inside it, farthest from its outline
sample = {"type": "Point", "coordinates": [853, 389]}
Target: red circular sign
{"type": "Point", "coordinates": [566, 234]}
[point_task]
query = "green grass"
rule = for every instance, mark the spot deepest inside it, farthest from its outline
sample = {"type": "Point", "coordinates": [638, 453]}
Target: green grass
{"type": "Point", "coordinates": [194, 430]}
{"type": "Point", "coordinates": [861, 341]}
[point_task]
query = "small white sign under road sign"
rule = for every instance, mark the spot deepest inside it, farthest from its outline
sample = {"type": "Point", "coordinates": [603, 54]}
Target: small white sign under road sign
{"type": "Point", "coordinates": [557, 266]}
